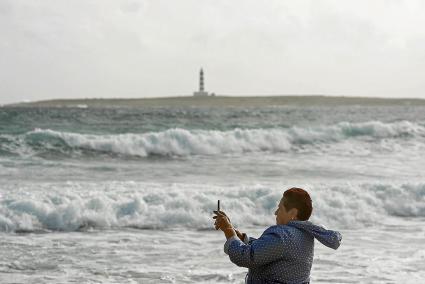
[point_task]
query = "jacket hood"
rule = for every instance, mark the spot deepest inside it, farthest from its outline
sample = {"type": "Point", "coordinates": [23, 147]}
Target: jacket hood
{"type": "Point", "coordinates": [327, 237]}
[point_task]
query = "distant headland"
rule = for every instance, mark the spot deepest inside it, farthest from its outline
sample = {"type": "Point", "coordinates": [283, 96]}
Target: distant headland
{"type": "Point", "coordinates": [220, 101]}
{"type": "Point", "coordinates": [202, 98]}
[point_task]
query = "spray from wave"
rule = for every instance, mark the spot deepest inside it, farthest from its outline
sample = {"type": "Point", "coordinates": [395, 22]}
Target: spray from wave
{"type": "Point", "coordinates": [182, 142]}
{"type": "Point", "coordinates": [79, 206]}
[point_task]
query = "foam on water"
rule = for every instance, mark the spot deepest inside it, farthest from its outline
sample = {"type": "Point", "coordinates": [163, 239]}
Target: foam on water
{"type": "Point", "coordinates": [71, 170]}
{"type": "Point", "coordinates": [78, 206]}
{"type": "Point", "coordinates": [183, 142]}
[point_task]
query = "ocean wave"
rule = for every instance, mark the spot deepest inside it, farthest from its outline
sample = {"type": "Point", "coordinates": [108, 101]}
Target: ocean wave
{"type": "Point", "coordinates": [183, 142]}
{"type": "Point", "coordinates": [80, 206]}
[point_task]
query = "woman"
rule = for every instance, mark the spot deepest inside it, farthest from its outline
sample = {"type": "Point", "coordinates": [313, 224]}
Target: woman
{"type": "Point", "coordinates": [284, 252]}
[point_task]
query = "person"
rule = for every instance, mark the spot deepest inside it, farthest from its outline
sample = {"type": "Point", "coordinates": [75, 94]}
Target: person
{"type": "Point", "coordinates": [284, 252]}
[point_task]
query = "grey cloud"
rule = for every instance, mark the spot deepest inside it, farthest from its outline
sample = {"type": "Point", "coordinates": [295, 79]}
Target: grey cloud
{"type": "Point", "coordinates": [109, 48]}
{"type": "Point", "coordinates": [131, 6]}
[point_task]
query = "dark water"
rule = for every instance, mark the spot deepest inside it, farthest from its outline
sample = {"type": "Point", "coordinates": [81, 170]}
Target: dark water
{"type": "Point", "coordinates": [128, 120]}
{"type": "Point", "coordinates": [47, 132]}
{"type": "Point", "coordinates": [63, 169]}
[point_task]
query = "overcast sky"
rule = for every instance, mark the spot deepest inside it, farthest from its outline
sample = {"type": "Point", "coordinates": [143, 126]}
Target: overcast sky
{"type": "Point", "coordinates": [151, 48]}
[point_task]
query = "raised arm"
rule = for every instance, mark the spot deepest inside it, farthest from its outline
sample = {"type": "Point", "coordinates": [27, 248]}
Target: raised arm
{"type": "Point", "coordinates": [268, 248]}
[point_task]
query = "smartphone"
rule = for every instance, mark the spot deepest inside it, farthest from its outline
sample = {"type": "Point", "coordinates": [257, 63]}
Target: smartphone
{"type": "Point", "coordinates": [218, 205]}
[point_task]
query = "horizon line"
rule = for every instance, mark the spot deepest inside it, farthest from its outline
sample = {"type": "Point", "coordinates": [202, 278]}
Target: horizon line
{"type": "Point", "coordinates": [218, 95]}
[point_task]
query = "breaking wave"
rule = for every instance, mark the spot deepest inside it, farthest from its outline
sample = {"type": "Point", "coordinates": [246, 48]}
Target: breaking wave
{"type": "Point", "coordinates": [81, 206]}
{"type": "Point", "coordinates": [182, 142]}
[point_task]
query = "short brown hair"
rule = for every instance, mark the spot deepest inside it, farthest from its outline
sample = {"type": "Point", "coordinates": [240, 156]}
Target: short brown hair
{"type": "Point", "coordinates": [298, 198]}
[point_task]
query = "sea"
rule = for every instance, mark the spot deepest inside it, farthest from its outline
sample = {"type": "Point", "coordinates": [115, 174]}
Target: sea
{"type": "Point", "coordinates": [125, 195]}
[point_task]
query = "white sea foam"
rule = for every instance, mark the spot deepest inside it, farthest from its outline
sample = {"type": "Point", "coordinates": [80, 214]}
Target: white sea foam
{"type": "Point", "coordinates": [78, 206]}
{"type": "Point", "coordinates": [183, 142]}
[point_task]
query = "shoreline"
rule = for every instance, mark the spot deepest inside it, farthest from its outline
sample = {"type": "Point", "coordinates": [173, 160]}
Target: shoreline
{"type": "Point", "coordinates": [219, 101]}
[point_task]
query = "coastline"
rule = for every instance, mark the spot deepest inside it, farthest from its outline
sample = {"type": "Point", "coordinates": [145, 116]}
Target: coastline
{"type": "Point", "coordinates": [220, 101]}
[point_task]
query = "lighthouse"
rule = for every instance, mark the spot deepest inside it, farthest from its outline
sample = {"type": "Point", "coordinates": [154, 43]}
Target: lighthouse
{"type": "Point", "coordinates": [201, 92]}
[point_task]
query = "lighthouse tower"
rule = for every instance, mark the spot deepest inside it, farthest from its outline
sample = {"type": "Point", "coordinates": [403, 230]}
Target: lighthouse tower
{"type": "Point", "coordinates": [201, 92]}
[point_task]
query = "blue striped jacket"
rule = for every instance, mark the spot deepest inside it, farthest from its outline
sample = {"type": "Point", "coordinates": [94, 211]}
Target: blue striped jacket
{"type": "Point", "coordinates": [283, 253]}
